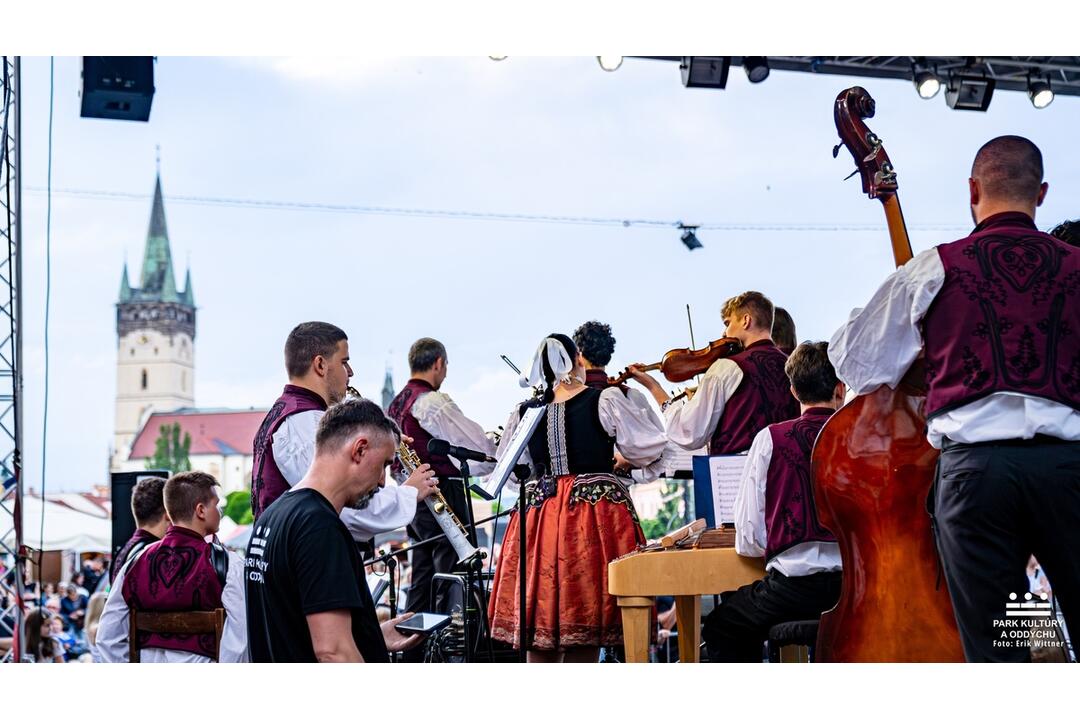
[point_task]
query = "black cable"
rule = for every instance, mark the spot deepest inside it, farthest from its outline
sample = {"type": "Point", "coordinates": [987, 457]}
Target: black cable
{"type": "Point", "coordinates": [48, 295]}
{"type": "Point", "coordinates": [495, 216]}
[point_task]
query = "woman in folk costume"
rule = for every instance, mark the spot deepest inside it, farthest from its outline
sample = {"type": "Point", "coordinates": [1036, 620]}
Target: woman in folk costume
{"type": "Point", "coordinates": [579, 515]}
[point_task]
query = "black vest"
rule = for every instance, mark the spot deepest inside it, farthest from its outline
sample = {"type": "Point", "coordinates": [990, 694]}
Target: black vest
{"type": "Point", "coordinates": [573, 441]}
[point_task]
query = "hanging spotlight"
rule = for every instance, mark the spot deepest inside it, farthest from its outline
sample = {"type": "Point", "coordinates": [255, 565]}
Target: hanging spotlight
{"type": "Point", "coordinates": [1040, 93]}
{"type": "Point", "coordinates": [969, 92]}
{"type": "Point", "coordinates": [927, 84]}
{"type": "Point", "coordinates": [497, 58]}
{"type": "Point", "coordinates": [610, 63]}
{"type": "Point", "coordinates": [757, 68]}
{"type": "Point", "coordinates": [705, 72]}
{"type": "Point", "coordinates": [689, 239]}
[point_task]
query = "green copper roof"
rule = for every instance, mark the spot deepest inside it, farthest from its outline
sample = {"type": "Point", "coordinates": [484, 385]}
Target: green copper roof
{"type": "Point", "coordinates": [158, 283]}
{"type": "Point", "coordinates": [125, 286]}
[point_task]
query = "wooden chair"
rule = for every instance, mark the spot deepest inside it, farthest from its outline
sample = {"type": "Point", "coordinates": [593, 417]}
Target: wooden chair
{"type": "Point", "coordinates": [190, 622]}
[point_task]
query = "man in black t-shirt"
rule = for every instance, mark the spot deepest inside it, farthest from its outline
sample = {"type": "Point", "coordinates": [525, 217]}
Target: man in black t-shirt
{"type": "Point", "coordinates": [307, 598]}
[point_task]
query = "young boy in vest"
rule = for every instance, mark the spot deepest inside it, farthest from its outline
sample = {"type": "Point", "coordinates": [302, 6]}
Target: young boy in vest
{"type": "Point", "coordinates": [775, 518]}
{"type": "Point", "coordinates": [182, 572]}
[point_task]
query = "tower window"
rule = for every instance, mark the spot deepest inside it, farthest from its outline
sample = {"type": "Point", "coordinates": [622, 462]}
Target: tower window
{"type": "Point", "coordinates": [155, 351]}
{"type": "Point", "coordinates": [144, 379]}
{"type": "Point", "coordinates": [132, 352]}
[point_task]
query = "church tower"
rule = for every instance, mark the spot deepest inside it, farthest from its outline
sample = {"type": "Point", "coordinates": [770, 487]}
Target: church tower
{"type": "Point", "coordinates": [155, 327]}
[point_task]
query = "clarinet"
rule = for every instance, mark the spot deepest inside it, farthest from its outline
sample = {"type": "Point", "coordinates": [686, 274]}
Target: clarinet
{"type": "Point", "coordinates": [440, 509]}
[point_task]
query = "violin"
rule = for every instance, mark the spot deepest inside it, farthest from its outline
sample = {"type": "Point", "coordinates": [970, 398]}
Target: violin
{"type": "Point", "coordinates": [681, 364]}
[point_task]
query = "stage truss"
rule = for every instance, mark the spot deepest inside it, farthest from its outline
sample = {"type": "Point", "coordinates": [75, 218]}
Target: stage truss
{"type": "Point", "coordinates": [11, 546]}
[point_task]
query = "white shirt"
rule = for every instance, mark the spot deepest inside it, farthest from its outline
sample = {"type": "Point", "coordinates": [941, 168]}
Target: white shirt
{"type": "Point", "coordinates": [691, 425]}
{"type": "Point", "coordinates": [113, 632]}
{"type": "Point", "coordinates": [392, 507]}
{"type": "Point", "coordinates": [443, 419]}
{"type": "Point", "coordinates": [879, 342]}
{"type": "Point", "coordinates": [751, 535]}
{"type": "Point", "coordinates": [638, 432]}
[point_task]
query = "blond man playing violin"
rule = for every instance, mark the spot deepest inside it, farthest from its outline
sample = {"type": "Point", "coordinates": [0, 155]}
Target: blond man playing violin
{"type": "Point", "coordinates": [738, 395]}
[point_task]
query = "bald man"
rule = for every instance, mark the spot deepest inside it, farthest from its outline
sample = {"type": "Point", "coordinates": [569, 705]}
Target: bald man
{"type": "Point", "coordinates": [997, 315]}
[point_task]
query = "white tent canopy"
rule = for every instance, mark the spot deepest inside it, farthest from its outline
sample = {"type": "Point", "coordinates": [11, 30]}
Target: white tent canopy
{"type": "Point", "coordinates": [65, 529]}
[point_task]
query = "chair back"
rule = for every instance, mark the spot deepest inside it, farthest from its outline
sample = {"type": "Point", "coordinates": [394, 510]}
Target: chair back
{"type": "Point", "coordinates": [191, 622]}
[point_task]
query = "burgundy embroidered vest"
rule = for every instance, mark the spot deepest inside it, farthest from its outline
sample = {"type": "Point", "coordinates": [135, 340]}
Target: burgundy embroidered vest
{"type": "Point", "coordinates": [790, 514]}
{"type": "Point", "coordinates": [401, 412]}
{"type": "Point", "coordinates": [175, 575]}
{"type": "Point", "coordinates": [762, 398]}
{"type": "Point", "coordinates": [1007, 318]}
{"type": "Point", "coordinates": [140, 539]}
{"type": "Point", "coordinates": [267, 482]}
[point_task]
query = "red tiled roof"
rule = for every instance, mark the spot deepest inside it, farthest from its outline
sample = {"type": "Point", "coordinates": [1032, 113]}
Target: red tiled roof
{"type": "Point", "coordinates": [213, 432]}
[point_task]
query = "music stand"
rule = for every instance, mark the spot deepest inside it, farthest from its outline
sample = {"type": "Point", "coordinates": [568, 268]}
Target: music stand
{"type": "Point", "coordinates": [530, 420]}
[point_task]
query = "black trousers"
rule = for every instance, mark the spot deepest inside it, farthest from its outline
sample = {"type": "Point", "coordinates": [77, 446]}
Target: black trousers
{"type": "Point", "coordinates": [995, 505]}
{"type": "Point", "coordinates": [737, 629]}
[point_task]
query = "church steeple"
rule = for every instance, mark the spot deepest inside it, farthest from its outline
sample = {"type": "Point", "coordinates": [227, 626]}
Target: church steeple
{"type": "Point", "coordinates": [188, 296]}
{"type": "Point", "coordinates": [125, 286]}
{"type": "Point", "coordinates": [388, 389]}
{"type": "Point", "coordinates": [157, 280]}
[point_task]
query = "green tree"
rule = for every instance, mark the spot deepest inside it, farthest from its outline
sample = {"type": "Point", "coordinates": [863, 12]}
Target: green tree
{"type": "Point", "coordinates": [670, 515]}
{"type": "Point", "coordinates": [238, 507]}
{"type": "Point", "coordinates": [170, 452]}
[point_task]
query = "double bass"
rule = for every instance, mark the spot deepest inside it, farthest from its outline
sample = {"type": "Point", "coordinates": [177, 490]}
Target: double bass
{"type": "Point", "coordinates": [872, 471]}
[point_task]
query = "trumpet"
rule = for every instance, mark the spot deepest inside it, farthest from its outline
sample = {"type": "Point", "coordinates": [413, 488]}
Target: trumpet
{"type": "Point", "coordinates": [440, 509]}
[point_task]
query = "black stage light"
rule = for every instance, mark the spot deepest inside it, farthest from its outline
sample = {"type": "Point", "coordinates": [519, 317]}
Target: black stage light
{"type": "Point", "coordinates": [689, 239]}
{"type": "Point", "coordinates": [969, 92]}
{"type": "Point", "coordinates": [1040, 92]}
{"type": "Point", "coordinates": [705, 72]}
{"type": "Point", "coordinates": [117, 88]}
{"type": "Point", "coordinates": [757, 68]}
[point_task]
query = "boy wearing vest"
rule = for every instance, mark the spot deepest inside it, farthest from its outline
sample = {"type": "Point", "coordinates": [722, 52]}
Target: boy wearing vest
{"type": "Point", "coordinates": [775, 518]}
{"type": "Point", "coordinates": [179, 573]}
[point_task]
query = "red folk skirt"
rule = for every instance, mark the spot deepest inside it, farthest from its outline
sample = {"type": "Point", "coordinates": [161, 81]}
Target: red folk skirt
{"type": "Point", "coordinates": [575, 526]}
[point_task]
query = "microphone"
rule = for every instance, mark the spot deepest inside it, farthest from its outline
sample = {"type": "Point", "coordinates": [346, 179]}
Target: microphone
{"type": "Point", "coordinates": [436, 446]}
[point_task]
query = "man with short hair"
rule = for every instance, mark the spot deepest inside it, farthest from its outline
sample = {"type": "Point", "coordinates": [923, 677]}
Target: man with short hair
{"type": "Point", "coordinates": [151, 521]}
{"type": "Point", "coordinates": [739, 395]}
{"type": "Point", "coordinates": [424, 412]}
{"type": "Point", "coordinates": [776, 518]}
{"type": "Point", "coordinates": [317, 362]}
{"type": "Point", "coordinates": [995, 314]}
{"type": "Point", "coordinates": [182, 572]}
{"type": "Point", "coordinates": [307, 596]}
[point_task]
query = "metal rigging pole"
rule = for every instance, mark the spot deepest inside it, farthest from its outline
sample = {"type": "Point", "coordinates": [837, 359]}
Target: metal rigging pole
{"type": "Point", "coordinates": [11, 390]}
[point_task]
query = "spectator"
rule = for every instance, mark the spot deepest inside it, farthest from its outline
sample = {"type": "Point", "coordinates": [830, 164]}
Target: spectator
{"type": "Point", "coordinates": [40, 643]}
{"type": "Point", "coordinates": [1068, 232]}
{"type": "Point", "coordinates": [93, 619]}
{"type": "Point", "coordinates": [73, 649]}
{"type": "Point", "coordinates": [73, 609]}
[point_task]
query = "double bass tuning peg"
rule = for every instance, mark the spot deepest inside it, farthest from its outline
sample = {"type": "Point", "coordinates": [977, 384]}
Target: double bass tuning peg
{"type": "Point", "coordinates": [836, 150]}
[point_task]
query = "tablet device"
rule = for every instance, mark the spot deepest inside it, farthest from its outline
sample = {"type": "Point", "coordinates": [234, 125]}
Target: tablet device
{"type": "Point", "coordinates": [423, 623]}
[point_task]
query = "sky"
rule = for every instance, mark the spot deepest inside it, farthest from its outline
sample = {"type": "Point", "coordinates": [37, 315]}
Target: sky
{"type": "Point", "coordinates": [547, 136]}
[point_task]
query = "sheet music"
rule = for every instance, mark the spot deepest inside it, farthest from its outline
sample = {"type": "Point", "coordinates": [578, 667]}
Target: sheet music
{"type": "Point", "coordinates": [726, 472]}
{"type": "Point", "coordinates": [516, 446]}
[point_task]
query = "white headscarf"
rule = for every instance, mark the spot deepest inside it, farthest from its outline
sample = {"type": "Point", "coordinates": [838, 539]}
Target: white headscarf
{"type": "Point", "coordinates": [558, 359]}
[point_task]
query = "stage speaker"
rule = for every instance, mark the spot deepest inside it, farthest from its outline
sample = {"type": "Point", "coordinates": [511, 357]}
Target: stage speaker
{"type": "Point", "coordinates": [123, 522]}
{"type": "Point", "coordinates": [117, 88]}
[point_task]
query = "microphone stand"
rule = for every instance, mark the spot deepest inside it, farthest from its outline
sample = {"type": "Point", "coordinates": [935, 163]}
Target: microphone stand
{"type": "Point", "coordinates": [473, 568]}
{"type": "Point", "coordinates": [523, 653]}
